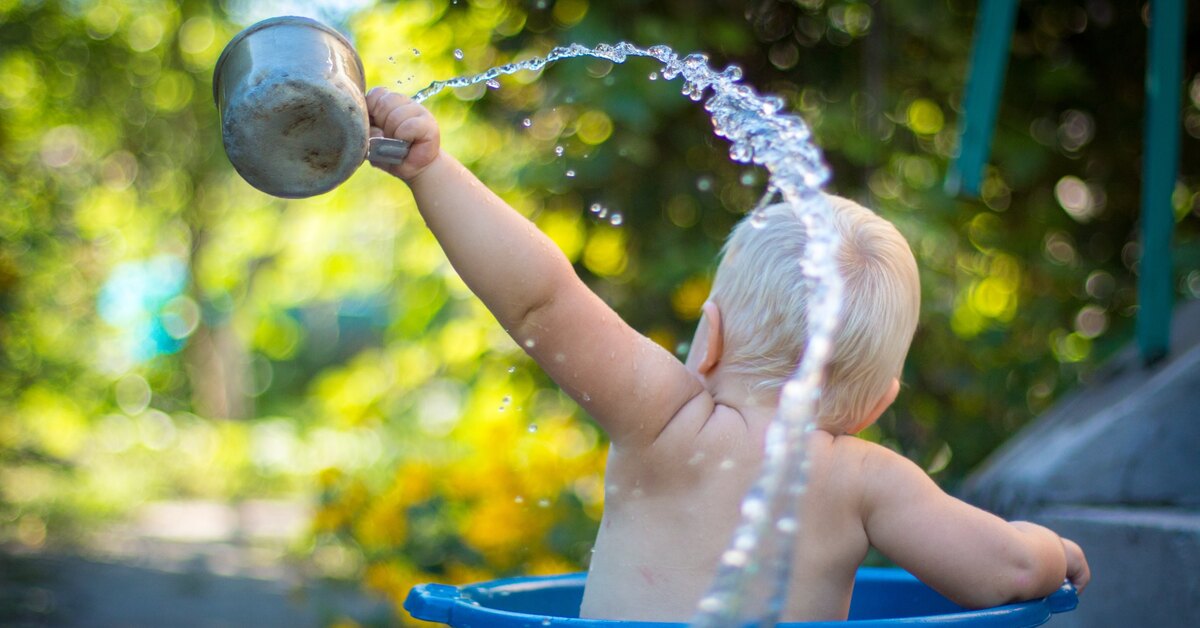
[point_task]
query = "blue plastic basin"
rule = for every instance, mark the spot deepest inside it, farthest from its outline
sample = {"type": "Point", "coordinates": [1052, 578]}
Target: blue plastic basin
{"type": "Point", "coordinates": [882, 597]}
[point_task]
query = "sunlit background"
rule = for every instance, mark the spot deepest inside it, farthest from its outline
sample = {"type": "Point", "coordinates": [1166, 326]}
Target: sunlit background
{"type": "Point", "coordinates": [184, 359]}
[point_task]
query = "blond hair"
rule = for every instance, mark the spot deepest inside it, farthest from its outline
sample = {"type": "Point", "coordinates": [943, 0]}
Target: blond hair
{"type": "Point", "coordinates": [763, 297]}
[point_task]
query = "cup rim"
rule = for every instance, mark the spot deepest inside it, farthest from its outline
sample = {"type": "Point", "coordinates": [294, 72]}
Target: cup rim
{"type": "Point", "coordinates": [280, 20]}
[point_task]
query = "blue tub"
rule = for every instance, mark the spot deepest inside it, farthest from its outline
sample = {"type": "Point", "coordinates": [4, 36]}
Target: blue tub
{"type": "Point", "coordinates": [882, 598]}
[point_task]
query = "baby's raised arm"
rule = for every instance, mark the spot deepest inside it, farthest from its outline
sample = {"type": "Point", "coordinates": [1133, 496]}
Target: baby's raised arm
{"type": "Point", "coordinates": [627, 383]}
{"type": "Point", "coordinates": [969, 555]}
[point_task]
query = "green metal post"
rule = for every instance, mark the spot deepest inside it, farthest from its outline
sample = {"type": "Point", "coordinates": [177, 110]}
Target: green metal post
{"type": "Point", "coordinates": [985, 80]}
{"type": "Point", "coordinates": [1160, 165]}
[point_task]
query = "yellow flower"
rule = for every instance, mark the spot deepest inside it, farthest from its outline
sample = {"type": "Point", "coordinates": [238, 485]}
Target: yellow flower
{"type": "Point", "coordinates": [383, 526]}
{"type": "Point", "coordinates": [328, 519]}
{"type": "Point", "coordinates": [550, 564]}
{"type": "Point", "coordinates": [414, 483]}
{"type": "Point", "coordinates": [499, 527]}
{"type": "Point", "coordinates": [328, 477]}
{"type": "Point", "coordinates": [394, 580]}
{"type": "Point", "coordinates": [458, 573]}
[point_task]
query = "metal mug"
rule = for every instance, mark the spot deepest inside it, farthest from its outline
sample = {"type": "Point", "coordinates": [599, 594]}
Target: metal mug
{"type": "Point", "coordinates": [293, 113]}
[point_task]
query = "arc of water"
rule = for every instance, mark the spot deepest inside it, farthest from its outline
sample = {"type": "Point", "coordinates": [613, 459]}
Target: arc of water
{"type": "Point", "coordinates": [761, 133]}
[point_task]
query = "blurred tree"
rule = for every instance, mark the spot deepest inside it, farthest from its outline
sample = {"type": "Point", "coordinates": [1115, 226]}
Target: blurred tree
{"type": "Point", "coordinates": [98, 102]}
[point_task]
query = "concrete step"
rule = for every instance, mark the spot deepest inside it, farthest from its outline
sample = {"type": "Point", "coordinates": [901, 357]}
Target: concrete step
{"type": "Point", "coordinates": [1143, 561]}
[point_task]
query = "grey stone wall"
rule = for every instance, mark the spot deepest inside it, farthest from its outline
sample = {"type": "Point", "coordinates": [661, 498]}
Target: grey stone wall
{"type": "Point", "coordinates": [1116, 467]}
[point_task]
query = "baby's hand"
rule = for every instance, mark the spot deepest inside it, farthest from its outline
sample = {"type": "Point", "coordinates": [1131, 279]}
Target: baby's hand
{"type": "Point", "coordinates": [397, 116]}
{"type": "Point", "coordinates": [1077, 566]}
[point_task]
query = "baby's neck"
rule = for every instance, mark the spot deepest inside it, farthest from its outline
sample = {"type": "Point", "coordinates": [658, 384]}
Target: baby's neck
{"type": "Point", "coordinates": [741, 392]}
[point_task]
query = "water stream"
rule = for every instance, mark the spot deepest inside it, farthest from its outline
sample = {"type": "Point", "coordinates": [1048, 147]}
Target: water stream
{"type": "Point", "coordinates": [750, 585]}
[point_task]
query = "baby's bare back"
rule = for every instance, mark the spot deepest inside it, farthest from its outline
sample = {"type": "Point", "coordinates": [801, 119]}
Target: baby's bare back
{"type": "Point", "coordinates": [671, 510]}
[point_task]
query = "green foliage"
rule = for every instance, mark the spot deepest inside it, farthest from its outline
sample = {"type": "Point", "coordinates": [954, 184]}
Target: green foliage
{"type": "Point", "coordinates": [324, 347]}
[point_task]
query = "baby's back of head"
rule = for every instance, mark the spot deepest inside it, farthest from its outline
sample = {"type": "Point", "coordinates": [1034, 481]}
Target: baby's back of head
{"type": "Point", "coordinates": [763, 296]}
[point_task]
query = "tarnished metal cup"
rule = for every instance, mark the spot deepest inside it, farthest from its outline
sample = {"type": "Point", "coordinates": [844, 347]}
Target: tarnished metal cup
{"type": "Point", "coordinates": [293, 113]}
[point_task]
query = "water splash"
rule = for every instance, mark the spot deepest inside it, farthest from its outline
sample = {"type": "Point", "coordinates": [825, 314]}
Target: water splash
{"type": "Point", "coordinates": [751, 581]}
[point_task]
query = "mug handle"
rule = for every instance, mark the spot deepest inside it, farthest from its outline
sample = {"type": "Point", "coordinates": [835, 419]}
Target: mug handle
{"type": "Point", "coordinates": [386, 150]}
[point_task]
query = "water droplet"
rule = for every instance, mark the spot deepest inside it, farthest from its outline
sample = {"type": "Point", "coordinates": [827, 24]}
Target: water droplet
{"type": "Point", "coordinates": [711, 604]}
{"type": "Point", "coordinates": [518, 499]}
{"type": "Point", "coordinates": [661, 52]}
{"type": "Point", "coordinates": [458, 53]}
{"type": "Point", "coordinates": [493, 83]}
{"type": "Point", "coordinates": [587, 397]}
{"type": "Point", "coordinates": [734, 558]}
{"type": "Point", "coordinates": [787, 525]}
{"type": "Point", "coordinates": [654, 76]}
{"type": "Point", "coordinates": [546, 621]}
{"type": "Point", "coordinates": [616, 220]}
{"type": "Point", "coordinates": [596, 208]}
{"type": "Point", "coordinates": [512, 369]}
{"type": "Point", "coordinates": [704, 184]}
{"type": "Point", "coordinates": [727, 464]}
{"type": "Point", "coordinates": [748, 178]}
{"type": "Point", "coordinates": [527, 123]}
{"type": "Point", "coordinates": [543, 503]}
{"type": "Point", "coordinates": [753, 508]}
{"type": "Point", "coordinates": [416, 53]}
{"type": "Point", "coordinates": [533, 428]}
{"type": "Point", "coordinates": [559, 150]}
{"type": "Point", "coordinates": [391, 59]}
{"type": "Point", "coordinates": [530, 343]}
{"type": "Point", "coordinates": [571, 173]}
{"type": "Point", "coordinates": [506, 400]}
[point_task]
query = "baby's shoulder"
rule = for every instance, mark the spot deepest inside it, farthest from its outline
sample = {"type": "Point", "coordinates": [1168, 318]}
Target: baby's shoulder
{"type": "Point", "coordinates": [840, 449]}
{"type": "Point", "coordinates": [867, 470]}
{"type": "Point", "coordinates": [847, 460]}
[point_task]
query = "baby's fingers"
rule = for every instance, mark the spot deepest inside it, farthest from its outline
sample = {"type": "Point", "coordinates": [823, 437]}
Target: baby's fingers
{"type": "Point", "coordinates": [382, 104]}
{"type": "Point", "coordinates": [398, 117]}
{"type": "Point", "coordinates": [379, 97]}
{"type": "Point", "coordinates": [403, 120]}
{"type": "Point", "coordinates": [1078, 571]}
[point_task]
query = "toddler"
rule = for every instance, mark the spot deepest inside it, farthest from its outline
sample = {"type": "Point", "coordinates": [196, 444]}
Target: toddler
{"type": "Point", "coordinates": [687, 437]}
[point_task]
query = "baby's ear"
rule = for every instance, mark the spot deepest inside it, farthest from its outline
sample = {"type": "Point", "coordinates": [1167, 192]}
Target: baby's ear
{"type": "Point", "coordinates": [885, 400]}
{"type": "Point", "coordinates": [714, 338]}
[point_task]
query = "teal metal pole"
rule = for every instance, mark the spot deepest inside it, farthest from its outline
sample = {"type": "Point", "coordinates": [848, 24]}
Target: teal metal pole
{"type": "Point", "coordinates": [1160, 166]}
{"type": "Point", "coordinates": [985, 80]}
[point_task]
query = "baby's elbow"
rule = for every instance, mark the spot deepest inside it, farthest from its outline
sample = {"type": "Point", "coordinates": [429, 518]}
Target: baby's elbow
{"type": "Point", "coordinates": [1006, 584]}
{"type": "Point", "coordinates": [1036, 566]}
{"type": "Point", "coordinates": [1032, 578]}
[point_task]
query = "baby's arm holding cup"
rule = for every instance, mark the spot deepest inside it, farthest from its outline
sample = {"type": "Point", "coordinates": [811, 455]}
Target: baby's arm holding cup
{"type": "Point", "coordinates": [626, 382]}
{"type": "Point", "coordinates": [967, 554]}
